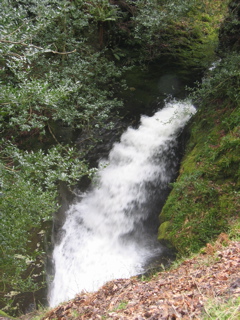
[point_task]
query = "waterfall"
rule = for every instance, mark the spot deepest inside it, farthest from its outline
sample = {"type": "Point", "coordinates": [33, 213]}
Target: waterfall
{"type": "Point", "coordinates": [105, 235]}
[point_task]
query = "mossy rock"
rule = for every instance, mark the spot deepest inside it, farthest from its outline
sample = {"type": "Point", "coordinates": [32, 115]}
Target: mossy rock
{"type": "Point", "coordinates": [163, 229]}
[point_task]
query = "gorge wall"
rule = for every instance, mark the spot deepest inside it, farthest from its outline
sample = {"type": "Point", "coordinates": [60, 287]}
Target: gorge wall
{"type": "Point", "coordinates": [205, 199]}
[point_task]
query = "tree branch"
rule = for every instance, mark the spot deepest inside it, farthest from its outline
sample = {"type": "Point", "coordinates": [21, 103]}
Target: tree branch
{"type": "Point", "coordinates": [40, 48]}
{"type": "Point", "coordinates": [16, 29]}
{"type": "Point", "coordinates": [54, 137]}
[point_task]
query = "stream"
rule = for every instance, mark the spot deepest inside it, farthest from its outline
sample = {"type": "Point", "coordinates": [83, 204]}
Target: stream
{"type": "Point", "coordinates": [110, 230]}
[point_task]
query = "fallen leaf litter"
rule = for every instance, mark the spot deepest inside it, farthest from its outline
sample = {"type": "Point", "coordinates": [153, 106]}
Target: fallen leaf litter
{"type": "Point", "coordinates": [180, 293]}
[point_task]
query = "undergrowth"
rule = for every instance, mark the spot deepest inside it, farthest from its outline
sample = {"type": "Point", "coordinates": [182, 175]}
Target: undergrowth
{"type": "Point", "coordinates": [215, 308]}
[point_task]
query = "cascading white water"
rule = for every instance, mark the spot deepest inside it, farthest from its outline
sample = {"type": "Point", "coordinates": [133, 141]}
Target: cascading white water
{"type": "Point", "coordinates": [104, 236]}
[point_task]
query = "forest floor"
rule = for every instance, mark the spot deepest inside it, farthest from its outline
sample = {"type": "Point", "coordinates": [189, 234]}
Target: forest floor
{"type": "Point", "coordinates": [206, 286]}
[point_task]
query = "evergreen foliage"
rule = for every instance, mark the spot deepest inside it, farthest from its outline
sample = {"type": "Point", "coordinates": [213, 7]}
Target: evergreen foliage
{"type": "Point", "coordinates": [52, 77]}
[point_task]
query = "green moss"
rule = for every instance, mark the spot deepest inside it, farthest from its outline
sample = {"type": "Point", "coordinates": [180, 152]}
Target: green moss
{"type": "Point", "coordinates": [189, 163]}
{"type": "Point", "coordinates": [193, 39]}
{"type": "Point", "coordinates": [164, 227]}
{"type": "Point", "coordinates": [206, 196]}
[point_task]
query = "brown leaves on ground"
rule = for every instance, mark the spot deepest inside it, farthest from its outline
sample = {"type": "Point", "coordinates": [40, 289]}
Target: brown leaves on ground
{"type": "Point", "coordinates": [176, 294]}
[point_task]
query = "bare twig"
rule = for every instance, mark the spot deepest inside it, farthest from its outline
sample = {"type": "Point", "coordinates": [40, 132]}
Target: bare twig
{"type": "Point", "coordinates": [15, 54]}
{"type": "Point", "coordinates": [54, 137]}
{"type": "Point", "coordinates": [16, 29]}
{"type": "Point", "coordinates": [36, 47]}
{"type": "Point", "coordinates": [50, 130]}
{"type": "Point", "coordinates": [10, 169]}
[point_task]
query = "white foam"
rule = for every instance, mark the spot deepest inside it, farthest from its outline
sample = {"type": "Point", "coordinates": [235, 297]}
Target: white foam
{"type": "Point", "coordinates": [95, 248]}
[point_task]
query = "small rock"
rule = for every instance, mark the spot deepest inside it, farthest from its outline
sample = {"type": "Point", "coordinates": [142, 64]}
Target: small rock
{"type": "Point", "coordinates": [147, 314]}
